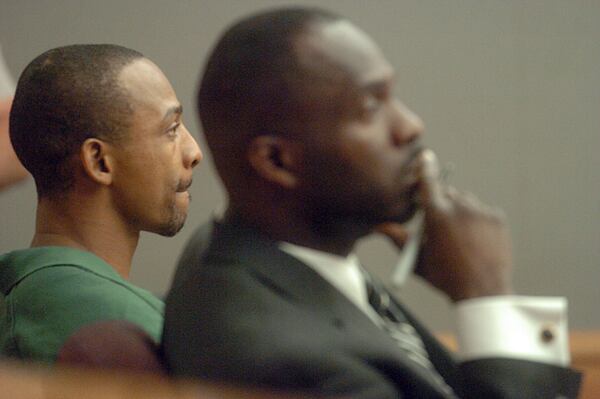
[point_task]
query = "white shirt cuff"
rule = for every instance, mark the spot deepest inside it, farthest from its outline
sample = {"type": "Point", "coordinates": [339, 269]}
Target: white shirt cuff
{"type": "Point", "coordinates": [523, 327]}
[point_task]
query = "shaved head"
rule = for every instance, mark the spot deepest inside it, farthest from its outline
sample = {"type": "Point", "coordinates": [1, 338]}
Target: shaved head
{"type": "Point", "coordinates": [63, 97]}
{"type": "Point", "coordinates": [249, 86]}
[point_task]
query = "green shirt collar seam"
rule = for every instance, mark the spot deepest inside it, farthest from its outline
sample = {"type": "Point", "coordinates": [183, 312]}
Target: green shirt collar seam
{"type": "Point", "coordinates": [117, 280]}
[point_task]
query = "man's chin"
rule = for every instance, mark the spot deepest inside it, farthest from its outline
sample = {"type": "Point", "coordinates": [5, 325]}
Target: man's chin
{"type": "Point", "coordinates": [173, 227]}
{"type": "Point", "coordinates": [404, 215]}
{"type": "Point", "coordinates": [170, 231]}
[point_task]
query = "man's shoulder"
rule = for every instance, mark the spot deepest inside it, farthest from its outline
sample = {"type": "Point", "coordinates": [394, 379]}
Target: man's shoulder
{"type": "Point", "coordinates": [216, 245]}
{"type": "Point", "coordinates": [52, 296]}
{"type": "Point", "coordinates": [58, 275]}
{"type": "Point", "coordinates": [17, 265]}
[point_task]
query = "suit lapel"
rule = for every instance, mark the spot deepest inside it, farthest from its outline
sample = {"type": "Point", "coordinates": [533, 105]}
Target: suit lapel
{"type": "Point", "coordinates": [298, 282]}
{"type": "Point", "coordinates": [264, 259]}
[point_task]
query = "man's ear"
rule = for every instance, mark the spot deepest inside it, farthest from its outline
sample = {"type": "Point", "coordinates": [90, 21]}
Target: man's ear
{"type": "Point", "coordinates": [274, 158]}
{"type": "Point", "coordinates": [97, 161]}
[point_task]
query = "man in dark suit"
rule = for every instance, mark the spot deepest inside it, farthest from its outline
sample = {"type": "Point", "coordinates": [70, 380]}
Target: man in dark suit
{"type": "Point", "coordinates": [316, 152]}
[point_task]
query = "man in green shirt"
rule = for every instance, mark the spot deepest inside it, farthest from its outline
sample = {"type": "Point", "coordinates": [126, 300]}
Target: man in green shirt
{"type": "Point", "coordinates": [99, 128]}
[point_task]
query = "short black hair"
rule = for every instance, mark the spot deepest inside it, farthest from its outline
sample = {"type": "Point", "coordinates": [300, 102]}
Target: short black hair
{"type": "Point", "coordinates": [247, 83]}
{"type": "Point", "coordinates": [63, 97]}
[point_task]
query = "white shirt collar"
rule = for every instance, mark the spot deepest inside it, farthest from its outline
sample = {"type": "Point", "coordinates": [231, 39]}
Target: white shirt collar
{"type": "Point", "coordinates": [344, 273]}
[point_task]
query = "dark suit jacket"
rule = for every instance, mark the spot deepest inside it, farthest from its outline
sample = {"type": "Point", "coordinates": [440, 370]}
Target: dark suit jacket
{"type": "Point", "coordinates": [243, 311]}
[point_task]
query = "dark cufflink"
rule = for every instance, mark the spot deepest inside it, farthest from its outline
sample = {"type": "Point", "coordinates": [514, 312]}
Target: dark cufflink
{"type": "Point", "coordinates": [547, 335]}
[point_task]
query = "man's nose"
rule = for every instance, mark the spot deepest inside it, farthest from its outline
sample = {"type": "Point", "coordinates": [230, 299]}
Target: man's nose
{"type": "Point", "coordinates": [192, 155]}
{"type": "Point", "coordinates": [406, 126]}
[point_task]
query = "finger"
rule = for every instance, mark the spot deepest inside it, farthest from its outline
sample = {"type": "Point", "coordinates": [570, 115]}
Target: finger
{"type": "Point", "coordinates": [430, 189]}
{"type": "Point", "coordinates": [395, 232]}
{"type": "Point", "coordinates": [469, 199]}
{"type": "Point", "coordinates": [451, 192]}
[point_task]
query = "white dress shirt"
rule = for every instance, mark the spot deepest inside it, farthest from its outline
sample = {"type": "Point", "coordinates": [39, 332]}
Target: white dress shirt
{"type": "Point", "coordinates": [523, 327]}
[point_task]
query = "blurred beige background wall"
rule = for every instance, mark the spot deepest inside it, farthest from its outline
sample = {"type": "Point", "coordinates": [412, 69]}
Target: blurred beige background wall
{"type": "Point", "coordinates": [509, 90]}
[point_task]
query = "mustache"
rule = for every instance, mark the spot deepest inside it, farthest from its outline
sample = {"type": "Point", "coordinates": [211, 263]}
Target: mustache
{"type": "Point", "coordinates": [407, 175]}
{"type": "Point", "coordinates": [414, 152]}
{"type": "Point", "coordinates": [184, 185]}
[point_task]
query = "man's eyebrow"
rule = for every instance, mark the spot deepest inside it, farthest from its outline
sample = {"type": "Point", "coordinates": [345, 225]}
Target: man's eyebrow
{"type": "Point", "coordinates": [378, 84]}
{"type": "Point", "coordinates": [176, 109]}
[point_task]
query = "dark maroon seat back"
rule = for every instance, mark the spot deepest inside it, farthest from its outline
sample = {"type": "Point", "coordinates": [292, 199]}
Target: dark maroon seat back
{"type": "Point", "coordinates": [114, 344]}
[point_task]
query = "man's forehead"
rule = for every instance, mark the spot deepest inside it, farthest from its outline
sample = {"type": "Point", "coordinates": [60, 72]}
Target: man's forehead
{"type": "Point", "coordinates": [341, 48]}
{"type": "Point", "coordinates": [145, 84]}
{"type": "Point", "coordinates": [141, 75]}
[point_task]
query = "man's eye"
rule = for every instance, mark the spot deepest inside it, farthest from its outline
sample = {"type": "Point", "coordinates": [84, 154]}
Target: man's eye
{"type": "Point", "coordinates": [371, 104]}
{"type": "Point", "coordinates": [173, 130]}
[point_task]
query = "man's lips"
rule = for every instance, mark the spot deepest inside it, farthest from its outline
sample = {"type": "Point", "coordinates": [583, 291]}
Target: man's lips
{"type": "Point", "coordinates": [414, 156]}
{"type": "Point", "coordinates": [184, 186]}
{"type": "Point", "coordinates": [410, 168]}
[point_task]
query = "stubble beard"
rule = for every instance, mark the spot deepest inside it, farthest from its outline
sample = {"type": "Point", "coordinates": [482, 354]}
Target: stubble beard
{"type": "Point", "coordinates": [176, 220]}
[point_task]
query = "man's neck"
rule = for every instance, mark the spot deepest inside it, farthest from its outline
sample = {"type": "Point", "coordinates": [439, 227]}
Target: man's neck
{"type": "Point", "coordinates": [86, 227]}
{"type": "Point", "coordinates": [281, 225]}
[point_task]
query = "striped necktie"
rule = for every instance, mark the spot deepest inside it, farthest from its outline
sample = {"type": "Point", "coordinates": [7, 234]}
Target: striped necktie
{"type": "Point", "coordinates": [403, 333]}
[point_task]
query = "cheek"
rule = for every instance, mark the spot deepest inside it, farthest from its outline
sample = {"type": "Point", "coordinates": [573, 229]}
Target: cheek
{"type": "Point", "coordinates": [152, 186]}
{"type": "Point", "coordinates": [159, 167]}
{"type": "Point", "coordinates": [362, 160]}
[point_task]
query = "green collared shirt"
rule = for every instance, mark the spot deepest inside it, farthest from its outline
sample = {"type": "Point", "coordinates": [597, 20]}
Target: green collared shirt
{"type": "Point", "coordinates": [50, 292]}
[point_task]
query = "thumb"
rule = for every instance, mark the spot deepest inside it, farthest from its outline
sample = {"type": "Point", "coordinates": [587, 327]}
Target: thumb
{"type": "Point", "coordinates": [430, 190]}
{"type": "Point", "coordinates": [395, 232]}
